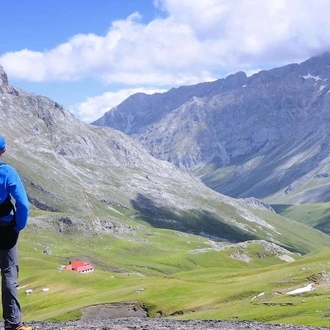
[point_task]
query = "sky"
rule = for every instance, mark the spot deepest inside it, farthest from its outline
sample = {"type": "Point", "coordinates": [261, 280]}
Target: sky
{"type": "Point", "coordinates": [90, 55]}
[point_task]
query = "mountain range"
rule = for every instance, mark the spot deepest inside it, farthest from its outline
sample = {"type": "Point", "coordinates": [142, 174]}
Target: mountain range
{"type": "Point", "coordinates": [264, 136]}
{"type": "Point", "coordinates": [87, 178]}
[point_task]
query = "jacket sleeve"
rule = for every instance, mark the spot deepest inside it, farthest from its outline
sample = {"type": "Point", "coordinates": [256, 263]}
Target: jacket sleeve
{"type": "Point", "coordinates": [17, 191]}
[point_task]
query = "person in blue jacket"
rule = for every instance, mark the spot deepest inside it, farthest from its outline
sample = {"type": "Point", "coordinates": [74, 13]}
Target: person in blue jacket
{"type": "Point", "coordinates": [13, 219]}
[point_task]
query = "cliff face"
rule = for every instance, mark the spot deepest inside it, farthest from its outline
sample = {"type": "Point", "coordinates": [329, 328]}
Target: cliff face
{"type": "Point", "coordinates": [264, 136]}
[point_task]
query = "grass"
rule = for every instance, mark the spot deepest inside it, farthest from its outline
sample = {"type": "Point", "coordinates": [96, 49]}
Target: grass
{"type": "Point", "coordinates": [314, 215]}
{"type": "Point", "coordinates": [274, 306]}
{"type": "Point", "coordinates": [169, 272]}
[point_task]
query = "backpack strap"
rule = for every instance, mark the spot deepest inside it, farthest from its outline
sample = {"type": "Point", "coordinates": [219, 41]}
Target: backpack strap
{"type": "Point", "coordinates": [6, 207]}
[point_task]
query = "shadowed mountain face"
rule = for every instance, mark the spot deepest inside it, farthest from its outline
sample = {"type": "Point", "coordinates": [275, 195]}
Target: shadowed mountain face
{"type": "Point", "coordinates": [83, 174]}
{"type": "Point", "coordinates": [265, 136]}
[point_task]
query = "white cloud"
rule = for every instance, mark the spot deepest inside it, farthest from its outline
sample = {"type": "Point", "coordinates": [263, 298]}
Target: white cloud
{"type": "Point", "coordinates": [94, 107]}
{"type": "Point", "coordinates": [195, 42]}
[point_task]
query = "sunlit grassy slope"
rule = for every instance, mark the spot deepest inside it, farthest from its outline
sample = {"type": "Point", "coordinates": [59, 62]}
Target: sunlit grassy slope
{"type": "Point", "coordinates": [171, 273]}
{"type": "Point", "coordinates": [314, 215]}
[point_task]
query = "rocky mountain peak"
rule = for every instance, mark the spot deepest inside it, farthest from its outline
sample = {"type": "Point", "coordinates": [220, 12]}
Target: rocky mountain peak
{"type": "Point", "coordinates": [236, 80]}
{"type": "Point", "coordinates": [3, 78]}
{"type": "Point", "coordinates": [322, 59]}
{"type": "Point", "coordinates": [4, 85]}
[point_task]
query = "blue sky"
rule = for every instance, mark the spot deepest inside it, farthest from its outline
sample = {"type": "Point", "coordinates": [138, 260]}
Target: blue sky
{"type": "Point", "coordinates": [89, 55]}
{"type": "Point", "coordinates": [40, 25]}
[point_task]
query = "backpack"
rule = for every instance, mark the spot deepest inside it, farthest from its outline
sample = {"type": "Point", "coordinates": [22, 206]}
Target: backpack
{"type": "Point", "coordinates": [7, 206]}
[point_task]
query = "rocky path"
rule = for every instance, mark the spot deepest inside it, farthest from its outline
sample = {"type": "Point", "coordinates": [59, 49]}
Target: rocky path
{"type": "Point", "coordinates": [164, 324]}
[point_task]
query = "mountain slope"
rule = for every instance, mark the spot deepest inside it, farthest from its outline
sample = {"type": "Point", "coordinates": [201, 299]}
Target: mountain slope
{"type": "Point", "coordinates": [264, 136]}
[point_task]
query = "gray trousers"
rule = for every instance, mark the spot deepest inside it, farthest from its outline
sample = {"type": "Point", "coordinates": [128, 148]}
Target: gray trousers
{"type": "Point", "coordinates": [12, 314]}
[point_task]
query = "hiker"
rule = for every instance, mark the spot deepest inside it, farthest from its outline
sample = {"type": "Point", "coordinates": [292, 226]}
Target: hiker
{"type": "Point", "coordinates": [12, 220]}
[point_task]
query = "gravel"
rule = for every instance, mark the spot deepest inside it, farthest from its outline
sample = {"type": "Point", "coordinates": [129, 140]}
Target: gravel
{"type": "Point", "coordinates": [165, 324]}
{"type": "Point", "coordinates": [131, 315]}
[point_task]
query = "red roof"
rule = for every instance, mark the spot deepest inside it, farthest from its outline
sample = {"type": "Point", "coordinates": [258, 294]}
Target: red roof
{"type": "Point", "coordinates": [79, 266]}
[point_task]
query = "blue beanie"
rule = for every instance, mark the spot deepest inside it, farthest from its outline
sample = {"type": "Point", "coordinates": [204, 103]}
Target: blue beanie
{"type": "Point", "coordinates": [2, 143]}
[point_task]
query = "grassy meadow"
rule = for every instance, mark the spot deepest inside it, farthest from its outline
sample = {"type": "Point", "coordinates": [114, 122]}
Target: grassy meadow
{"type": "Point", "coordinates": [171, 273]}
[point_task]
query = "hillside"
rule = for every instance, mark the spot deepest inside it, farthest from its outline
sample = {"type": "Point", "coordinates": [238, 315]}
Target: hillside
{"type": "Point", "coordinates": [170, 275]}
{"type": "Point", "coordinates": [264, 136]}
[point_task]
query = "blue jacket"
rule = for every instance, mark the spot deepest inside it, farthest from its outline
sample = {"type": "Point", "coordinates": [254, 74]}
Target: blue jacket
{"type": "Point", "coordinates": [11, 184]}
